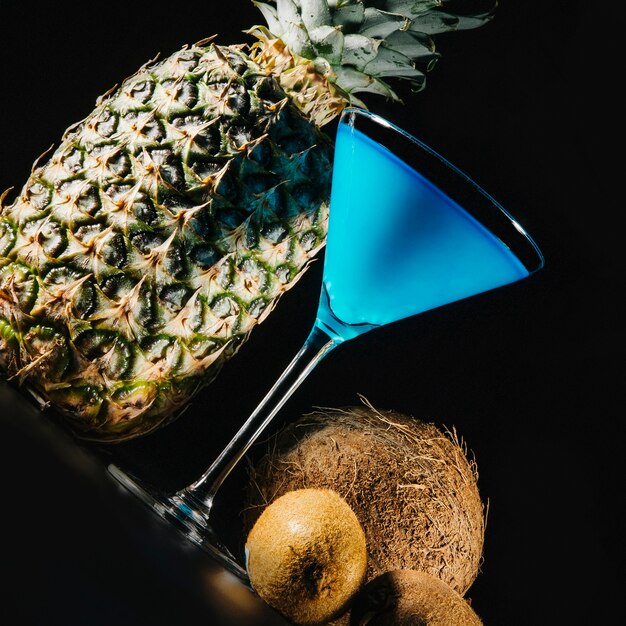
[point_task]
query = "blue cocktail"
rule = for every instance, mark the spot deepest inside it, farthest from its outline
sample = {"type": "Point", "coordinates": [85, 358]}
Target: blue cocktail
{"type": "Point", "coordinates": [397, 244]}
{"type": "Point", "coordinates": [408, 232]}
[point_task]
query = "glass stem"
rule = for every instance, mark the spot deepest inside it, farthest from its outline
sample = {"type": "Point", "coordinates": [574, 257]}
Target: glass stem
{"type": "Point", "coordinates": [203, 490]}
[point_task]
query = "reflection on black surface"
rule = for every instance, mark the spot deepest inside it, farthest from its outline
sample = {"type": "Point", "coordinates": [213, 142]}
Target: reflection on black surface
{"type": "Point", "coordinates": [78, 550]}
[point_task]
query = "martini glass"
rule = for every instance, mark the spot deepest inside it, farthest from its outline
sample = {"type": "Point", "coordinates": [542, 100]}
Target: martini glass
{"type": "Point", "coordinates": [408, 232]}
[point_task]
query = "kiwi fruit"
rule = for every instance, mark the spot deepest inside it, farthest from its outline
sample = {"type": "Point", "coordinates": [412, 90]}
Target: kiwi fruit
{"type": "Point", "coordinates": [306, 555]}
{"type": "Point", "coordinates": [412, 485]}
{"type": "Point", "coordinates": [411, 598]}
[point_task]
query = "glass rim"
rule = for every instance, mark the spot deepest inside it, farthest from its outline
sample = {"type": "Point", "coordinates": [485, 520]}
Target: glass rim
{"type": "Point", "coordinates": [500, 222]}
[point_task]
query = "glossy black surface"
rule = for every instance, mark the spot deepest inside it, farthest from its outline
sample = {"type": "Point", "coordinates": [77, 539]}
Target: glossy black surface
{"type": "Point", "coordinates": [528, 374]}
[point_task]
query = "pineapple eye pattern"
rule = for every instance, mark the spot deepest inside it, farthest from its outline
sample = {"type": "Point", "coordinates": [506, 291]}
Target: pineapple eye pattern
{"type": "Point", "coordinates": [7, 237]}
{"type": "Point", "coordinates": [153, 239]}
{"type": "Point", "coordinates": [140, 90]}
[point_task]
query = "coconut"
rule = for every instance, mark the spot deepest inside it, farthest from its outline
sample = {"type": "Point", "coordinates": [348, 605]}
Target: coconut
{"type": "Point", "coordinates": [411, 598]}
{"type": "Point", "coordinates": [411, 484]}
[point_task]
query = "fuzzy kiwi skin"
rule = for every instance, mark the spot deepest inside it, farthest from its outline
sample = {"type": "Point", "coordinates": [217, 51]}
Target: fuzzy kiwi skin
{"type": "Point", "coordinates": [411, 598]}
{"type": "Point", "coordinates": [306, 556]}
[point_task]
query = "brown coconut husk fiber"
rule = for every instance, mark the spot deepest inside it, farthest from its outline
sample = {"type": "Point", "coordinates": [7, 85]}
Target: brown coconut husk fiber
{"type": "Point", "coordinates": [410, 483]}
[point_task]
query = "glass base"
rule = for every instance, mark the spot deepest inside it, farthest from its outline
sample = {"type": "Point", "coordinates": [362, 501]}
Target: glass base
{"type": "Point", "coordinates": [187, 515]}
{"type": "Point", "coordinates": [189, 509]}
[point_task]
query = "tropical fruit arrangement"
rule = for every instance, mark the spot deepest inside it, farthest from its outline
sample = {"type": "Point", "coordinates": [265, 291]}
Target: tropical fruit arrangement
{"type": "Point", "coordinates": [359, 516]}
{"type": "Point", "coordinates": [142, 251]}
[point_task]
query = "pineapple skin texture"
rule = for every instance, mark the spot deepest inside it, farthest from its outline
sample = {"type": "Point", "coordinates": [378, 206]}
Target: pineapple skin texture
{"type": "Point", "coordinates": [139, 256]}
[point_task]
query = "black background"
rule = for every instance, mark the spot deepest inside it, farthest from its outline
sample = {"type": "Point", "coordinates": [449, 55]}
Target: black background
{"type": "Point", "coordinates": [528, 374]}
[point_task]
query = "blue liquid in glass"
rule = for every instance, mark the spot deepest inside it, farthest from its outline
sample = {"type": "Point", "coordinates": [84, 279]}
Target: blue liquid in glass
{"type": "Point", "coordinates": [397, 245]}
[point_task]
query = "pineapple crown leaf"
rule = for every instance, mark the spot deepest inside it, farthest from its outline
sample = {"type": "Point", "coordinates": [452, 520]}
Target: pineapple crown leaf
{"type": "Point", "coordinates": [355, 44]}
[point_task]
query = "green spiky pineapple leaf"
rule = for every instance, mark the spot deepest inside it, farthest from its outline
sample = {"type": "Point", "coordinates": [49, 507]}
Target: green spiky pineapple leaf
{"type": "Point", "coordinates": [362, 42]}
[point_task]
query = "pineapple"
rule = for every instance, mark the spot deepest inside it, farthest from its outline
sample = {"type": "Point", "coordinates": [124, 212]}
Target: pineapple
{"type": "Point", "coordinates": [141, 253]}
